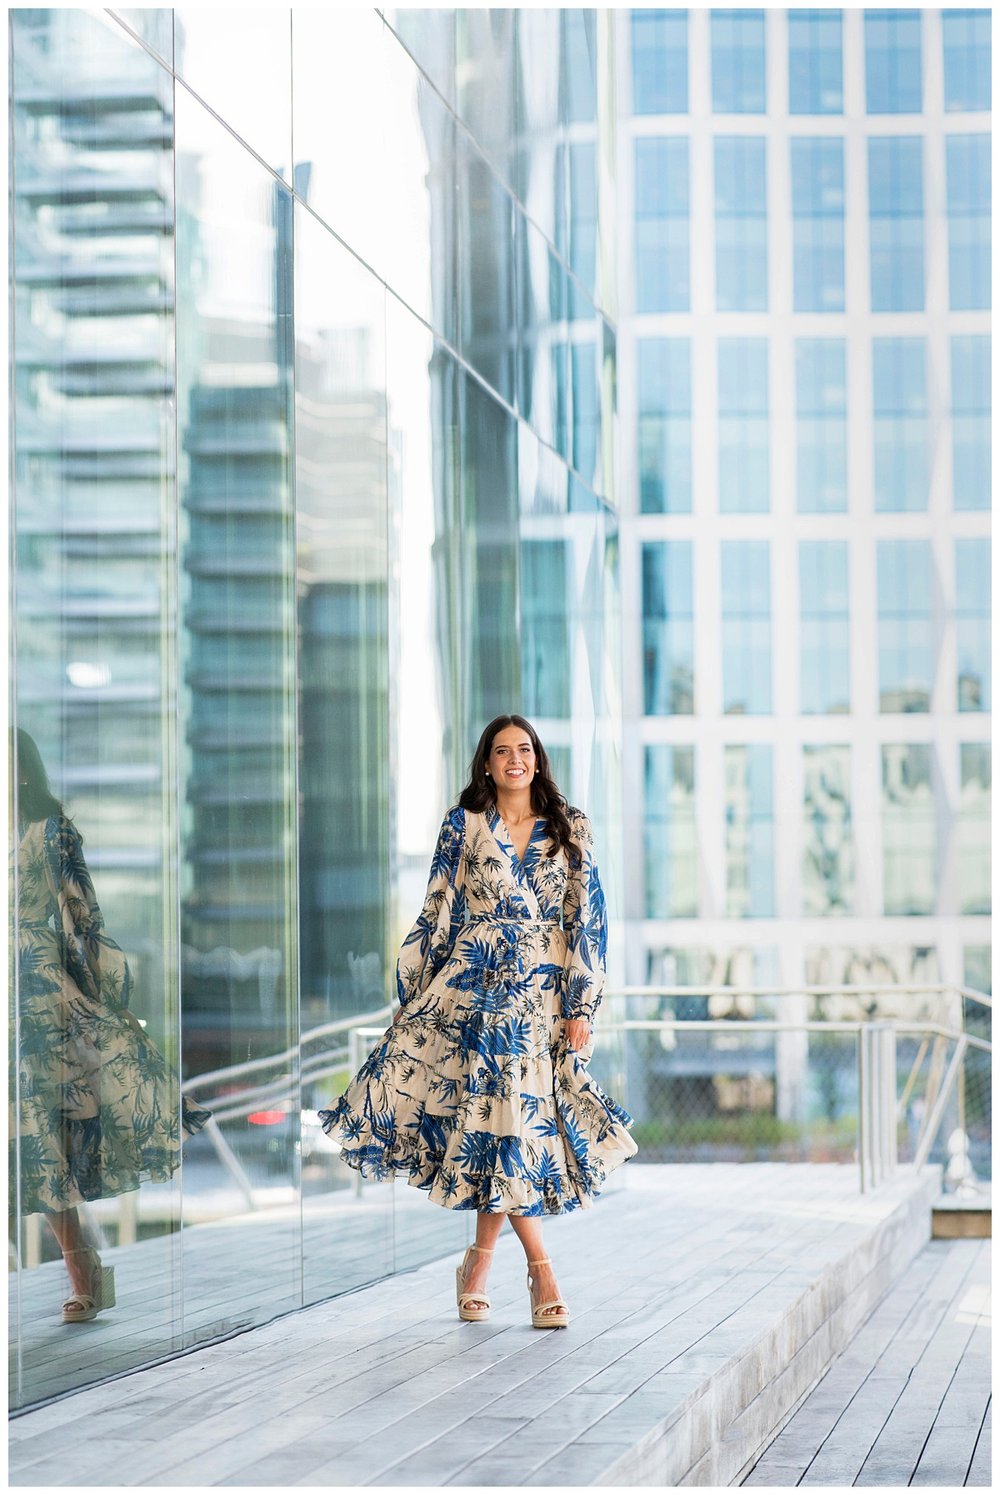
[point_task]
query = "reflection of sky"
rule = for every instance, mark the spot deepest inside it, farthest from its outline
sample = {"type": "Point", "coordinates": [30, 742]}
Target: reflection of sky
{"type": "Point", "coordinates": [336, 57]}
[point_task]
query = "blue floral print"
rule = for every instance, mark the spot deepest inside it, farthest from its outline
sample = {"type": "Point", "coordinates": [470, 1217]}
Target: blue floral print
{"type": "Point", "coordinates": [99, 1107]}
{"type": "Point", "coordinates": [473, 1092]}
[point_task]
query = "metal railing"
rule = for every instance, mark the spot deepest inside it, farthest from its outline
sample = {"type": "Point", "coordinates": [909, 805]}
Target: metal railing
{"type": "Point", "coordinates": [279, 1080]}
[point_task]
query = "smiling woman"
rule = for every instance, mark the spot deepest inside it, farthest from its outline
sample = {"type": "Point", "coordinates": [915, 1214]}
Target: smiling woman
{"type": "Point", "coordinates": [479, 1090]}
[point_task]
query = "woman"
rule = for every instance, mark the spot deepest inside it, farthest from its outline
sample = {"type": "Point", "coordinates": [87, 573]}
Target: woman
{"type": "Point", "coordinates": [97, 1105]}
{"type": "Point", "coordinates": [479, 1089]}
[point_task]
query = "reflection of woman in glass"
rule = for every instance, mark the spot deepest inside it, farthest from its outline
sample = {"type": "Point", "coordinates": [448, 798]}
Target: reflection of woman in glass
{"type": "Point", "coordinates": [96, 1101]}
{"type": "Point", "coordinates": [479, 1090]}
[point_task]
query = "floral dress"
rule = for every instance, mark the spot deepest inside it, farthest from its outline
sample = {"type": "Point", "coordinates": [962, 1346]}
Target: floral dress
{"type": "Point", "coordinates": [473, 1091]}
{"type": "Point", "coordinates": [96, 1105]}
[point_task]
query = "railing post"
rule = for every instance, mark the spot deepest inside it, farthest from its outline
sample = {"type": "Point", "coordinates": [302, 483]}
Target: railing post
{"type": "Point", "coordinates": [878, 1143]}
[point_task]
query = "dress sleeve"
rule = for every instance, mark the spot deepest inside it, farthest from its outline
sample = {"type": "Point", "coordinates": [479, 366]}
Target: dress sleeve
{"type": "Point", "coordinates": [585, 921]}
{"type": "Point", "coordinates": [430, 941]}
{"type": "Point", "coordinates": [94, 961]}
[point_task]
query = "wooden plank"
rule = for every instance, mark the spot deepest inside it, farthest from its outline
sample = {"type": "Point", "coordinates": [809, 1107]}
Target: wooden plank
{"type": "Point", "coordinates": [981, 1468]}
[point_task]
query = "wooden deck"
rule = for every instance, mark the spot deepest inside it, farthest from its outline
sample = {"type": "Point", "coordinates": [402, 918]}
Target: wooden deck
{"type": "Point", "coordinates": [908, 1402]}
{"type": "Point", "coordinates": [707, 1302]}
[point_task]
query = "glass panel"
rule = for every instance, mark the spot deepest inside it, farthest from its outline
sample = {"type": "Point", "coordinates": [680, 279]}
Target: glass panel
{"type": "Point", "coordinates": [909, 829]}
{"type": "Point", "coordinates": [668, 628]}
{"type": "Point", "coordinates": [740, 223]}
{"type": "Point", "coordinates": [738, 72]}
{"type": "Point", "coordinates": [969, 206]}
{"type": "Point", "coordinates": [749, 831]}
{"type": "Point", "coordinates": [972, 624]}
{"type": "Point", "coordinates": [896, 222]}
{"type": "Point", "coordinates": [420, 265]}
{"type": "Point", "coordinates": [974, 828]}
{"type": "Point", "coordinates": [95, 1095]}
{"type": "Point", "coordinates": [821, 425]}
{"type": "Point", "coordinates": [485, 55]}
{"type": "Point", "coordinates": [893, 61]}
{"type": "Point", "coordinates": [429, 37]}
{"type": "Point", "coordinates": [154, 27]}
{"type": "Point", "coordinates": [971, 434]}
{"type": "Point", "coordinates": [746, 626]}
{"type": "Point", "coordinates": [663, 374]}
{"type": "Point", "coordinates": [241, 65]}
{"type": "Point", "coordinates": [240, 1010]}
{"type": "Point", "coordinates": [967, 56]}
{"type": "Point", "coordinates": [670, 833]}
{"type": "Point", "coordinates": [489, 540]}
{"type": "Point", "coordinates": [487, 325]}
{"type": "Point", "coordinates": [543, 337]}
{"type": "Point", "coordinates": [902, 468]}
{"type": "Point", "coordinates": [824, 627]}
{"type": "Point", "coordinates": [662, 225]}
{"type": "Point", "coordinates": [344, 436]}
{"type": "Point", "coordinates": [659, 61]}
{"type": "Point", "coordinates": [815, 62]}
{"type": "Point", "coordinates": [905, 625]}
{"type": "Point", "coordinates": [540, 158]}
{"type": "Point", "coordinates": [818, 224]}
{"type": "Point", "coordinates": [827, 832]}
{"type": "Point", "coordinates": [341, 85]}
{"type": "Point", "coordinates": [744, 459]}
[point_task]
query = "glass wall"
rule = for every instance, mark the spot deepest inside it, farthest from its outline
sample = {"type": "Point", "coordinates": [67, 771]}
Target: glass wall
{"type": "Point", "coordinates": [313, 475]}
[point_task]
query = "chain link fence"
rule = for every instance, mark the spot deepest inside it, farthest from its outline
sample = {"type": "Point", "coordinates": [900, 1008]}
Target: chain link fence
{"type": "Point", "coordinates": [704, 1086]}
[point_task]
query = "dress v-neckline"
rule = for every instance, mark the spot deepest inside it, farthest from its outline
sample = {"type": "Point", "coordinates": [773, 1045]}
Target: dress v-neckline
{"type": "Point", "coordinates": [520, 862]}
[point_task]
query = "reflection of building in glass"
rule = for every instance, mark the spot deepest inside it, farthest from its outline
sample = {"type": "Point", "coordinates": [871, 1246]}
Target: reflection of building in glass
{"type": "Point", "coordinates": [803, 355]}
{"type": "Point", "coordinates": [93, 208]}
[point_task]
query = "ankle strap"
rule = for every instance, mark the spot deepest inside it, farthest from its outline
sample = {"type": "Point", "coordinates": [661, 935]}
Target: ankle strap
{"type": "Point", "coordinates": [543, 1261]}
{"type": "Point", "coordinates": [487, 1251]}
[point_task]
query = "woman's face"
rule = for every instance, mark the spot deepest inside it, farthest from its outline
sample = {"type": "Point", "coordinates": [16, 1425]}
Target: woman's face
{"type": "Point", "coordinates": [512, 761]}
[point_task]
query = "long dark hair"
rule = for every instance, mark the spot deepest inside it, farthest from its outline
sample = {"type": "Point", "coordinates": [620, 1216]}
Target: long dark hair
{"type": "Point", "coordinates": [480, 792]}
{"type": "Point", "coordinates": [34, 798]}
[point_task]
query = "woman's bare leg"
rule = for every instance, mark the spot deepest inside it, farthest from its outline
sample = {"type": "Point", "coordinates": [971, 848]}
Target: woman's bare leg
{"type": "Point", "coordinates": [67, 1228]}
{"type": "Point", "coordinates": [488, 1228]}
{"type": "Point", "coordinates": [528, 1229]}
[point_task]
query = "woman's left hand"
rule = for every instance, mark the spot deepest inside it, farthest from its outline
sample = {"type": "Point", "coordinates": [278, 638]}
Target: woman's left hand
{"type": "Point", "coordinates": [577, 1031]}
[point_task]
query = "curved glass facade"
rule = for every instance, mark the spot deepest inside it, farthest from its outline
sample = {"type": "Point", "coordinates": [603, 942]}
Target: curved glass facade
{"type": "Point", "coordinates": [314, 474]}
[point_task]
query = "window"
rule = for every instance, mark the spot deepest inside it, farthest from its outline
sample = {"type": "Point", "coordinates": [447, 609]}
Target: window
{"type": "Point", "coordinates": [662, 228]}
{"type": "Point", "coordinates": [670, 834]}
{"type": "Point", "coordinates": [582, 225]}
{"type": "Point", "coordinates": [668, 628]}
{"type": "Point", "coordinates": [818, 224]}
{"type": "Point", "coordinates": [969, 205]}
{"type": "Point", "coordinates": [586, 408]}
{"type": "Point", "coordinates": [900, 424]}
{"type": "Point", "coordinates": [815, 62]}
{"type": "Point", "coordinates": [971, 403]}
{"type": "Point", "coordinates": [824, 627]}
{"type": "Point", "coordinates": [896, 222]}
{"type": "Point", "coordinates": [749, 831]}
{"type": "Point", "coordinates": [973, 848]}
{"type": "Point", "coordinates": [905, 625]}
{"type": "Point", "coordinates": [966, 59]}
{"type": "Point", "coordinates": [821, 425]}
{"type": "Point", "coordinates": [909, 829]}
{"type": "Point", "coordinates": [893, 61]}
{"type": "Point", "coordinates": [578, 73]}
{"type": "Point", "coordinates": [827, 832]}
{"type": "Point", "coordinates": [738, 74]}
{"type": "Point", "coordinates": [740, 223]}
{"type": "Point", "coordinates": [659, 62]}
{"type": "Point", "coordinates": [972, 623]}
{"type": "Point", "coordinates": [664, 397]}
{"type": "Point", "coordinates": [743, 426]}
{"type": "Point", "coordinates": [545, 650]}
{"type": "Point", "coordinates": [746, 627]}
